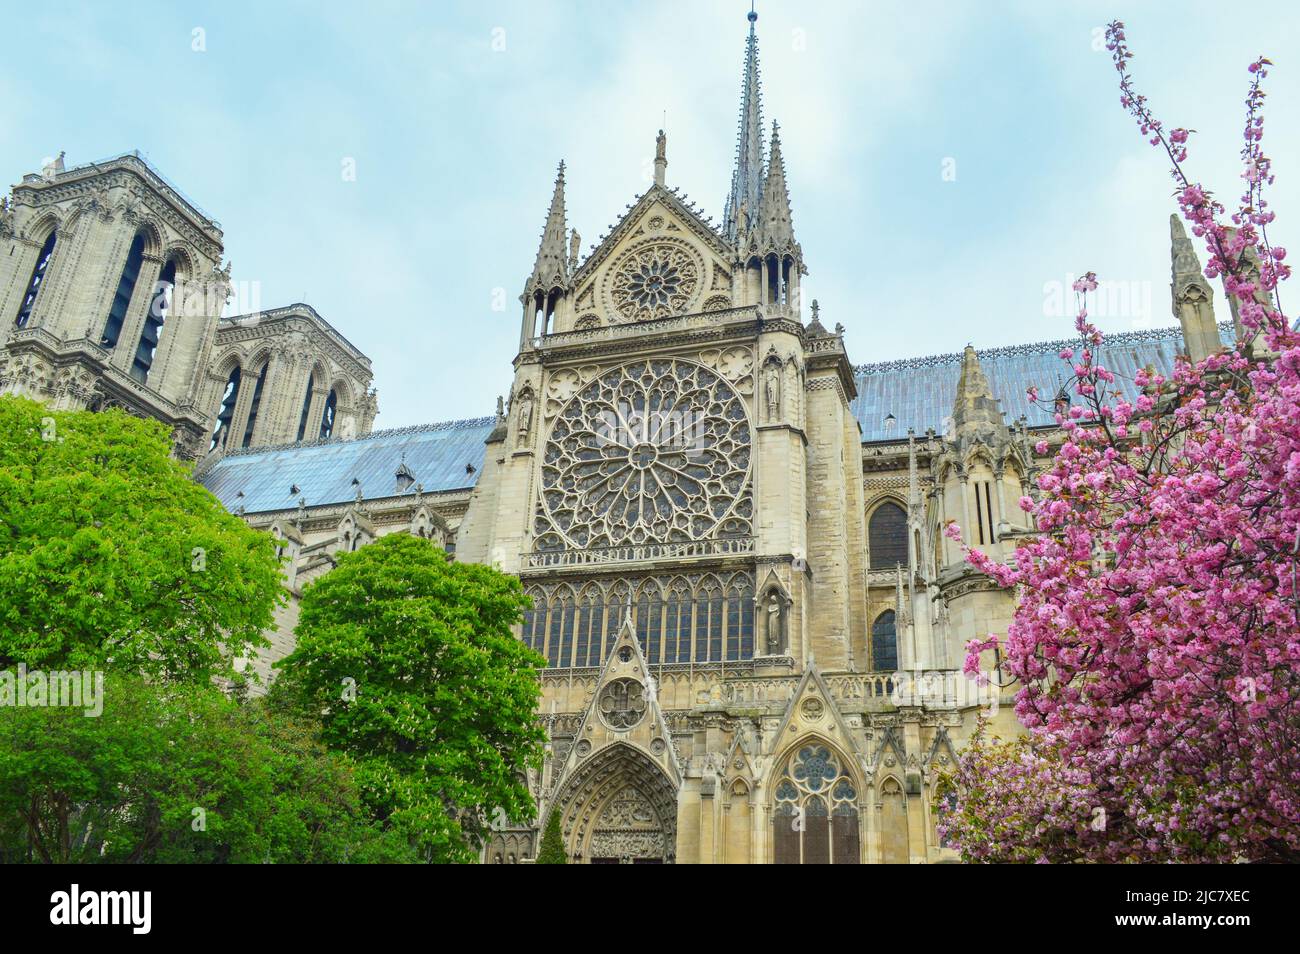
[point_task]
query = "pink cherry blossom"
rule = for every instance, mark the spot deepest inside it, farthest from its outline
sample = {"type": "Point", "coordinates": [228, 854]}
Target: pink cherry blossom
{"type": "Point", "coordinates": [1156, 641]}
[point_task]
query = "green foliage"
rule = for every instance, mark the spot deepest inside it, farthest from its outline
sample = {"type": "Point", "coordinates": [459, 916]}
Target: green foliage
{"type": "Point", "coordinates": [125, 786]}
{"type": "Point", "coordinates": [552, 850]}
{"type": "Point", "coordinates": [111, 556]}
{"type": "Point", "coordinates": [442, 723]}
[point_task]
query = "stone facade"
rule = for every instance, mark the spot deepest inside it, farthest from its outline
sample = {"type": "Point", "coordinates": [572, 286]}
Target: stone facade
{"type": "Point", "coordinates": [733, 539]}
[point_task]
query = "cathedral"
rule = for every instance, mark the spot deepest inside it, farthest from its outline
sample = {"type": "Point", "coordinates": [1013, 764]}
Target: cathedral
{"type": "Point", "coordinates": [731, 534]}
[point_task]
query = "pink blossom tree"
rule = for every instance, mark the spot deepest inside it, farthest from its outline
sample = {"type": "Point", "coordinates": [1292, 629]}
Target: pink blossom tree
{"type": "Point", "coordinates": [1156, 641]}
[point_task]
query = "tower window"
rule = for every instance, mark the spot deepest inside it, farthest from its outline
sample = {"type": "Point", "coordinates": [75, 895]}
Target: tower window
{"type": "Point", "coordinates": [125, 289]}
{"type": "Point", "coordinates": [159, 305]}
{"type": "Point", "coordinates": [34, 283]}
{"type": "Point", "coordinates": [306, 406]}
{"type": "Point", "coordinates": [254, 406]}
{"type": "Point", "coordinates": [227, 410]}
{"type": "Point", "coordinates": [887, 537]}
{"type": "Point", "coordinates": [327, 417]}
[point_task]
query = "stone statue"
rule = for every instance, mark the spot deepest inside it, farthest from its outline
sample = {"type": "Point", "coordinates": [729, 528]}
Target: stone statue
{"type": "Point", "coordinates": [774, 623]}
{"type": "Point", "coordinates": [525, 416]}
{"type": "Point", "coordinates": [772, 390]}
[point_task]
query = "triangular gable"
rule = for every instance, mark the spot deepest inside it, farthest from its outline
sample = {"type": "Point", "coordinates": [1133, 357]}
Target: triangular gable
{"type": "Point", "coordinates": [812, 711]}
{"type": "Point", "coordinates": [628, 222]}
{"type": "Point", "coordinates": [608, 719]}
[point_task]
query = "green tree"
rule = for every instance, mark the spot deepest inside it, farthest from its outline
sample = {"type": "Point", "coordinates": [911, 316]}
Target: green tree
{"type": "Point", "coordinates": [552, 850]}
{"type": "Point", "coordinates": [178, 774]}
{"type": "Point", "coordinates": [111, 556]}
{"type": "Point", "coordinates": [412, 660]}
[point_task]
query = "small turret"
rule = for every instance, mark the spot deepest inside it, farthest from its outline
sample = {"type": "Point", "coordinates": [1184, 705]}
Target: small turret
{"type": "Point", "coordinates": [548, 285]}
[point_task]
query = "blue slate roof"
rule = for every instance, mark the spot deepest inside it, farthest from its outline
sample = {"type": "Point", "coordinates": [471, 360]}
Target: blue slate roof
{"type": "Point", "coordinates": [919, 392]}
{"type": "Point", "coordinates": [437, 454]}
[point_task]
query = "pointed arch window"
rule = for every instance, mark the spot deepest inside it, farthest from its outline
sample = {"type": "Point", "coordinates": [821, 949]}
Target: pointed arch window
{"type": "Point", "coordinates": [254, 406]}
{"type": "Point", "coordinates": [306, 406]}
{"type": "Point", "coordinates": [884, 643]}
{"type": "Point", "coordinates": [34, 283]}
{"type": "Point", "coordinates": [327, 416]}
{"type": "Point", "coordinates": [159, 305]}
{"type": "Point", "coordinates": [227, 410]}
{"type": "Point", "coordinates": [887, 536]}
{"type": "Point", "coordinates": [815, 819]}
{"type": "Point", "coordinates": [125, 289]}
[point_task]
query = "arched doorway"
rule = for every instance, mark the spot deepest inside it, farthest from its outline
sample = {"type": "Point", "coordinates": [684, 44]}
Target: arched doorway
{"type": "Point", "coordinates": [618, 807]}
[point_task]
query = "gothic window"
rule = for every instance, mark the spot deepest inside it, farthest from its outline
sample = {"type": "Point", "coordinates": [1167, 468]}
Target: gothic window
{"type": "Point", "coordinates": [887, 537]}
{"type": "Point", "coordinates": [34, 283]}
{"type": "Point", "coordinates": [652, 452]}
{"type": "Point", "coordinates": [159, 305]}
{"type": "Point", "coordinates": [327, 416]}
{"type": "Point", "coordinates": [681, 620]}
{"type": "Point", "coordinates": [227, 409]}
{"type": "Point", "coordinates": [125, 288]}
{"type": "Point", "coordinates": [306, 407]}
{"type": "Point", "coordinates": [815, 820]}
{"type": "Point", "coordinates": [884, 643]}
{"type": "Point", "coordinates": [255, 405]}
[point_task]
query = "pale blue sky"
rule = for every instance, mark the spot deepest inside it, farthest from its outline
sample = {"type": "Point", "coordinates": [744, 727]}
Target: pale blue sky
{"type": "Point", "coordinates": [456, 144]}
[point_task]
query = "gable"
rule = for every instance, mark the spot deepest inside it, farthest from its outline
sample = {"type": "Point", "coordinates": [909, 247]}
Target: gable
{"type": "Point", "coordinates": [661, 259]}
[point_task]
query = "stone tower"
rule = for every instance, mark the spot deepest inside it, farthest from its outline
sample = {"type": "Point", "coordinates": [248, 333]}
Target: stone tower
{"type": "Point", "coordinates": [110, 290]}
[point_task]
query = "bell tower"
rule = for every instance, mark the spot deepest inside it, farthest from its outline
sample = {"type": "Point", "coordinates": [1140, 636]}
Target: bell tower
{"type": "Point", "coordinates": [111, 287]}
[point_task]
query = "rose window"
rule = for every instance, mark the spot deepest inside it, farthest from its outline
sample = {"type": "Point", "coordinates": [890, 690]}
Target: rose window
{"type": "Point", "coordinates": [652, 452]}
{"type": "Point", "coordinates": [653, 282]}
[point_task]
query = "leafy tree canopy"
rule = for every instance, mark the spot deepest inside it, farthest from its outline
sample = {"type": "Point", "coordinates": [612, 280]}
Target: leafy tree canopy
{"type": "Point", "coordinates": [111, 556]}
{"type": "Point", "coordinates": [413, 662]}
{"type": "Point", "coordinates": [175, 774]}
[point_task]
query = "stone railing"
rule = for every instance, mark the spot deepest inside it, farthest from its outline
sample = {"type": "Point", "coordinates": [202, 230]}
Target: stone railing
{"type": "Point", "coordinates": [638, 552]}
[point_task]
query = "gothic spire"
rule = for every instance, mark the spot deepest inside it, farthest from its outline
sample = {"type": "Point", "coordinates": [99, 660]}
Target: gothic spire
{"type": "Point", "coordinates": [774, 221]}
{"type": "Point", "coordinates": [975, 404]}
{"type": "Point", "coordinates": [746, 180]}
{"type": "Point", "coordinates": [551, 268]}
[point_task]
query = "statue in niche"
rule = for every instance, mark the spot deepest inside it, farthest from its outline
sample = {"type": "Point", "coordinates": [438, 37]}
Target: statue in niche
{"type": "Point", "coordinates": [773, 616]}
{"type": "Point", "coordinates": [525, 420]}
{"type": "Point", "coordinates": [772, 390]}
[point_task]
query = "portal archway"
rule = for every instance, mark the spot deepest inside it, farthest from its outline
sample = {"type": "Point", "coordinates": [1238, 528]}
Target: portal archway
{"type": "Point", "coordinates": [618, 807]}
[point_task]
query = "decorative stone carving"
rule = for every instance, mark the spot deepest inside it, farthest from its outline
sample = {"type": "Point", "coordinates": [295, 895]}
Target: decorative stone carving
{"type": "Point", "coordinates": [655, 451]}
{"type": "Point", "coordinates": [655, 279]}
{"type": "Point", "coordinates": [622, 703]}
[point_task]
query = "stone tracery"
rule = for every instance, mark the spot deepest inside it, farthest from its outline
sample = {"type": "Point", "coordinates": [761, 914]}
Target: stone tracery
{"type": "Point", "coordinates": [651, 452]}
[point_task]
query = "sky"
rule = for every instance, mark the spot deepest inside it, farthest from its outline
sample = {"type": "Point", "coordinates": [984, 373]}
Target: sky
{"type": "Point", "coordinates": [951, 165]}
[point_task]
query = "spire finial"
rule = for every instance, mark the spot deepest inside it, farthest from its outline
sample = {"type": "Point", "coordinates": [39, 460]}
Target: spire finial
{"type": "Point", "coordinates": [747, 178]}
